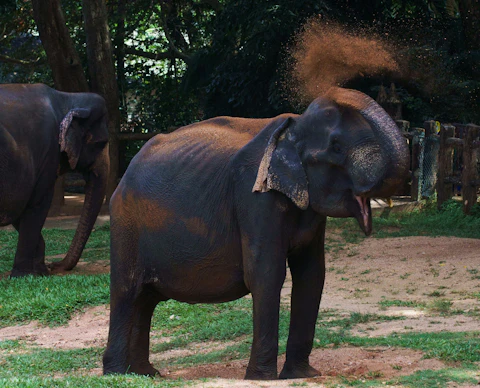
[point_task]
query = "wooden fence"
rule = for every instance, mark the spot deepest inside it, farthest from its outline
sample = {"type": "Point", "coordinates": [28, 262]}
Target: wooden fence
{"type": "Point", "coordinates": [455, 160]}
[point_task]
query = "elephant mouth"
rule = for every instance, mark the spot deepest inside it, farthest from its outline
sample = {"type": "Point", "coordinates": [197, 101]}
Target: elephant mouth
{"type": "Point", "coordinates": [363, 214]}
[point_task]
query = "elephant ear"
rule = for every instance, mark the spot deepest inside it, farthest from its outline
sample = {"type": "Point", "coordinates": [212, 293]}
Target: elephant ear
{"type": "Point", "coordinates": [71, 134]}
{"type": "Point", "coordinates": [281, 168]}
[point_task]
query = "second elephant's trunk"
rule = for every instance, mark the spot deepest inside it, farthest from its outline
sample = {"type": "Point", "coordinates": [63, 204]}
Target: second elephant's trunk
{"type": "Point", "coordinates": [94, 197]}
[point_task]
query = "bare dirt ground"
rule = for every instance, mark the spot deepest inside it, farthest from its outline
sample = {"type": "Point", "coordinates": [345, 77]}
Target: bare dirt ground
{"type": "Point", "coordinates": [423, 270]}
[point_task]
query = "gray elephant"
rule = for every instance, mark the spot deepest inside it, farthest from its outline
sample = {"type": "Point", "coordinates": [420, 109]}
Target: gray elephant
{"type": "Point", "coordinates": [212, 211]}
{"type": "Point", "coordinates": [43, 133]}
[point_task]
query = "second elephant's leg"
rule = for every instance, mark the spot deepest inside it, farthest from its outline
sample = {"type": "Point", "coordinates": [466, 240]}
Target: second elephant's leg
{"type": "Point", "coordinates": [308, 275]}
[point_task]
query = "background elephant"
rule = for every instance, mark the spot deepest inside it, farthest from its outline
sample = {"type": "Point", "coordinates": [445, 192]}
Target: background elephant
{"type": "Point", "coordinates": [211, 212]}
{"type": "Point", "coordinates": [40, 130]}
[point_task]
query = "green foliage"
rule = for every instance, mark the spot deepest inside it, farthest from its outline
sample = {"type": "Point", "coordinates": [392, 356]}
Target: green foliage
{"type": "Point", "coordinates": [50, 300]}
{"type": "Point", "coordinates": [21, 46]}
{"type": "Point", "coordinates": [245, 61]}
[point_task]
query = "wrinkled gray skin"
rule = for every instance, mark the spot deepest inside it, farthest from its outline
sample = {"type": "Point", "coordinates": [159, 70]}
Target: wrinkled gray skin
{"type": "Point", "coordinates": [212, 211]}
{"type": "Point", "coordinates": [44, 132]}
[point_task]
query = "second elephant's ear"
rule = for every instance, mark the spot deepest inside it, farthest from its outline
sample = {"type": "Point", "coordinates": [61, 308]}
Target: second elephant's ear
{"type": "Point", "coordinates": [281, 168]}
{"type": "Point", "coordinates": [72, 133]}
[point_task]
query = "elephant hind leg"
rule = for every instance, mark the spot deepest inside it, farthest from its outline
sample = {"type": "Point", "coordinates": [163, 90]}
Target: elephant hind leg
{"type": "Point", "coordinates": [129, 335]}
{"type": "Point", "coordinates": [30, 255]}
{"type": "Point", "coordinates": [140, 339]}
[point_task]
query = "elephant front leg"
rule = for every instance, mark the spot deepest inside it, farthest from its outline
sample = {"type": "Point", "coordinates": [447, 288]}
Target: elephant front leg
{"type": "Point", "coordinates": [263, 357]}
{"type": "Point", "coordinates": [264, 276]}
{"type": "Point", "coordinates": [308, 276]}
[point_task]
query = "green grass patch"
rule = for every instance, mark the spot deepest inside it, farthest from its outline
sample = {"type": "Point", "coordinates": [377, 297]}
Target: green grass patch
{"type": "Point", "coordinates": [46, 362]}
{"type": "Point", "coordinates": [51, 300]}
{"type": "Point", "coordinates": [57, 241]}
{"type": "Point", "coordinates": [126, 381]}
{"type": "Point", "coordinates": [442, 378]}
{"type": "Point", "coordinates": [427, 221]}
{"type": "Point", "coordinates": [355, 319]}
{"type": "Point", "coordinates": [401, 303]}
{"type": "Point", "coordinates": [184, 323]}
{"type": "Point", "coordinates": [462, 346]}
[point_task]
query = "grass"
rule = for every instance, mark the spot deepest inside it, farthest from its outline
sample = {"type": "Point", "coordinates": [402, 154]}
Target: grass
{"type": "Point", "coordinates": [50, 300]}
{"type": "Point", "coordinates": [442, 378]}
{"type": "Point", "coordinates": [401, 303]}
{"type": "Point", "coordinates": [427, 221]}
{"type": "Point", "coordinates": [57, 241]}
{"type": "Point", "coordinates": [446, 346]}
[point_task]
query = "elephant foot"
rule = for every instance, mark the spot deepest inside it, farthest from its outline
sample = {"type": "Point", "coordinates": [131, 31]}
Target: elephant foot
{"type": "Point", "coordinates": [39, 270]}
{"type": "Point", "coordinates": [258, 374]}
{"type": "Point", "coordinates": [145, 369]}
{"type": "Point", "coordinates": [298, 371]}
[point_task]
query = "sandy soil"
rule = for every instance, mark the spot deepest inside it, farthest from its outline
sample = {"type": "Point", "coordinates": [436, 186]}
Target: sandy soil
{"type": "Point", "coordinates": [418, 269]}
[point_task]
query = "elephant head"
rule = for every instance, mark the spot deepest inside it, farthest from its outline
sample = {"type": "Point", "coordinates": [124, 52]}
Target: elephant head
{"type": "Point", "coordinates": [342, 151]}
{"type": "Point", "coordinates": [83, 140]}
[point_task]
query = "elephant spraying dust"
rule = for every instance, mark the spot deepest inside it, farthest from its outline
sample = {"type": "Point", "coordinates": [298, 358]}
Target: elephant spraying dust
{"type": "Point", "coordinates": [214, 210]}
{"type": "Point", "coordinates": [44, 132]}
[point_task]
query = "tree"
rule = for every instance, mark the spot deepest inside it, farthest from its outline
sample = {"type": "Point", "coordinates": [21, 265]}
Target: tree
{"type": "Point", "coordinates": [62, 56]}
{"type": "Point", "coordinates": [102, 75]}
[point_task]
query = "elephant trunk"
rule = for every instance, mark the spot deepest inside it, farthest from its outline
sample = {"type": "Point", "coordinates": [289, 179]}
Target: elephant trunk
{"type": "Point", "coordinates": [393, 147]}
{"type": "Point", "coordinates": [94, 196]}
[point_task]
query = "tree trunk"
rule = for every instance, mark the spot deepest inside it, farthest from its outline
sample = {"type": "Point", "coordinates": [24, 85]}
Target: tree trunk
{"type": "Point", "coordinates": [62, 57]}
{"type": "Point", "coordinates": [119, 42]}
{"type": "Point", "coordinates": [470, 14]}
{"type": "Point", "coordinates": [102, 75]}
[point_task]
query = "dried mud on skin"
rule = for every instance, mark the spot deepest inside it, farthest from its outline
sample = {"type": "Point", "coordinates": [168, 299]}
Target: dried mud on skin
{"type": "Point", "coordinates": [358, 277]}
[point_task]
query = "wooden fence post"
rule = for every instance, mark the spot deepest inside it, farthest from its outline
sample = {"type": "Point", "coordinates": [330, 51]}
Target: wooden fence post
{"type": "Point", "coordinates": [445, 160]}
{"type": "Point", "coordinates": [418, 138]}
{"type": "Point", "coordinates": [469, 173]}
{"type": "Point", "coordinates": [403, 125]}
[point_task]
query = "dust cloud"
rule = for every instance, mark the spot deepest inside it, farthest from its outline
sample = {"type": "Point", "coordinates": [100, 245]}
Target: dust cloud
{"type": "Point", "coordinates": [326, 54]}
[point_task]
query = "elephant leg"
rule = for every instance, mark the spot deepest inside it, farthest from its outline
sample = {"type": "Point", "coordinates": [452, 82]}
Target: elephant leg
{"type": "Point", "coordinates": [265, 271]}
{"type": "Point", "coordinates": [30, 255]}
{"type": "Point", "coordinates": [115, 358]}
{"type": "Point", "coordinates": [129, 335]}
{"type": "Point", "coordinates": [263, 356]}
{"type": "Point", "coordinates": [131, 305]}
{"type": "Point", "coordinates": [140, 337]}
{"type": "Point", "coordinates": [308, 275]}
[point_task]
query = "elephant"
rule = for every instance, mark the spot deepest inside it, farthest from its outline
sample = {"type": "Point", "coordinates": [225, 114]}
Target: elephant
{"type": "Point", "coordinates": [223, 207]}
{"type": "Point", "coordinates": [44, 133]}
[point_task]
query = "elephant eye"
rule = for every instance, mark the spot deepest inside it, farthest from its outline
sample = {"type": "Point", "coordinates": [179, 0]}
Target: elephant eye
{"type": "Point", "coordinates": [336, 147]}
